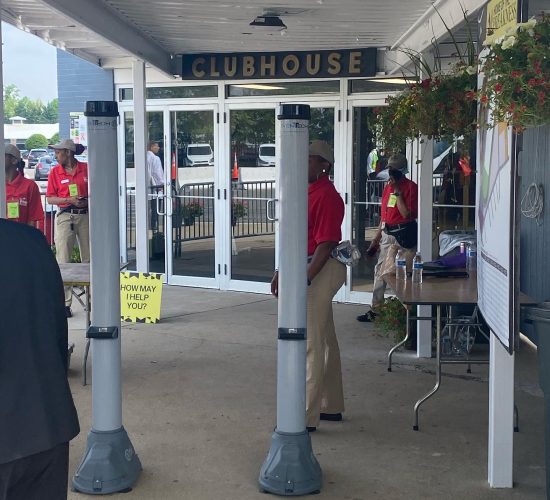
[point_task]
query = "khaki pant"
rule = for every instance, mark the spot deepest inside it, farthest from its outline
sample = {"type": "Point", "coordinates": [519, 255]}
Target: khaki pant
{"type": "Point", "coordinates": [324, 372]}
{"type": "Point", "coordinates": [65, 239]}
{"type": "Point", "coordinates": [389, 248]}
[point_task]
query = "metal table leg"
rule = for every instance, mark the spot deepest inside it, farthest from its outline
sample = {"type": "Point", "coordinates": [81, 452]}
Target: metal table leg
{"type": "Point", "coordinates": [87, 349]}
{"type": "Point", "coordinates": [407, 334]}
{"type": "Point", "coordinates": [437, 368]}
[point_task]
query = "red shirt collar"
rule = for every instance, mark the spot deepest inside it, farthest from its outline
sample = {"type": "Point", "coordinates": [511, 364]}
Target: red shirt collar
{"type": "Point", "coordinates": [17, 181]}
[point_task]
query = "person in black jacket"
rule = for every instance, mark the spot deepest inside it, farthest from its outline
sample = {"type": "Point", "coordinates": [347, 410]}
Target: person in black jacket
{"type": "Point", "coordinates": [37, 414]}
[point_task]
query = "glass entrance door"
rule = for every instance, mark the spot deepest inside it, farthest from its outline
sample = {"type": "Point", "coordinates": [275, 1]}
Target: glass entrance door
{"type": "Point", "coordinates": [368, 178]}
{"type": "Point", "coordinates": [253, 172]}
{"type": "Point", "coordinates": [191, 197]}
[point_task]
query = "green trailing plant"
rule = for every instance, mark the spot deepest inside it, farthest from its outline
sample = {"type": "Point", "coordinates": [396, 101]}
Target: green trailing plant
{"type": "Point", "coordinates": [517, 75]}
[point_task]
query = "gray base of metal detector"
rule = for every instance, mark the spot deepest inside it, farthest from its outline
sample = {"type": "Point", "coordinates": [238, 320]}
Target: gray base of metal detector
{"type": "Point", "coordinates": [110, 464]}
{"type": "Point", "coordinates": [290, 468]}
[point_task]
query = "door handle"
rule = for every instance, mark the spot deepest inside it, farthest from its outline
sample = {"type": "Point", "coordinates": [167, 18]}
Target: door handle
{"type": "Point", "coordinates": [270, 208]}
{"type": "Point", "coordinates": [158, 198]}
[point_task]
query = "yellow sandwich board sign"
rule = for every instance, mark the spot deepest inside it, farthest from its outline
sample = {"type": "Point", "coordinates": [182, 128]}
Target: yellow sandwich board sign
{"type": "Point", "coordinates": [140, 297]}
{"type": "Point", "coordinates": [502, 16]}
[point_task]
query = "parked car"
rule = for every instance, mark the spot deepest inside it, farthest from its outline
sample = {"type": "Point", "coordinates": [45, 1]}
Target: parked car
{"type": "Point", "coordinates": [266, 155]}
{"type": "Point", "coordinates": [198, 155]}
{"type": "Point", "coordinates": [24, 153]}
{"type": "Point", "coordinates": [35, 155]}
{"type": "Point", "coordinates": [43, 167]}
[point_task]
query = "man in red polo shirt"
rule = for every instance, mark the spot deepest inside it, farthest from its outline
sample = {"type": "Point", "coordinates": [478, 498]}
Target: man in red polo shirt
{"type": "Point", "coordinates": [68, 189]}
{"type": "Point", "coordinates": [23, 203]}
{"type": "Point", "coordinates": [397, 232]}
{"type": "Point", "coordinates": [324, 391]}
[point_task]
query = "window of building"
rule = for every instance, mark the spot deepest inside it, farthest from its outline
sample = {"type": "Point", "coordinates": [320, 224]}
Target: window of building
{"type": "Point", "coordinates": [283, 88]}
{"type": "Point", "coordinates": [127, 94]}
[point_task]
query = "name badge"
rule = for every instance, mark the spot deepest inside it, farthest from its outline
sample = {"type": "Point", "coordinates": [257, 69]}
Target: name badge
{"type": "Point", "coordinates": [64, 181]}
{"type": "Point", "coordinates": [13, 209]}
{"type": "Point", "coordinates": [392, 201]}
{"type": "Point", "coordinates": [73, 189]}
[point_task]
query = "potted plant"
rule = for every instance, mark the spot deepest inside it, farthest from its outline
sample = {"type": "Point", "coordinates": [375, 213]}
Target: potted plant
{"type": "Point", "coordinates": [238, 211]}
{"type": "Point", "coordinates": [187, 212]}
{"type": "Point", "coordinates": [517, 75]}
{"type": "Point", "coordinates": [392, 318]}
{"type": "Point", "coordinates": [440, 105]}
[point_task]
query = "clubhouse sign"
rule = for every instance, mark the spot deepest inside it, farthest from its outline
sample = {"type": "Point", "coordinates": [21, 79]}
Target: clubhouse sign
{"type": "Point", "coordinates": [258, 65]}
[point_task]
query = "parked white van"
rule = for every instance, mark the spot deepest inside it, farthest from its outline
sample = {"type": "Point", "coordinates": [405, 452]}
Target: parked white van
{"type": "Point", "coordinates": [266, 155]}
{"type": "Point", "coordinates": [199, 155]}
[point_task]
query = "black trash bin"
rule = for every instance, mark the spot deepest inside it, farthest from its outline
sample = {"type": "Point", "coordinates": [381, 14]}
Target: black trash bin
{"type": "Point", "coordinates": [539, 316]}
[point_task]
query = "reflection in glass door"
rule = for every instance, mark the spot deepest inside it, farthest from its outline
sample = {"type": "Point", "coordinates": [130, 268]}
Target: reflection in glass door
{"type": "Point", "coordinates": [368, 181]}
{"type": "Point", "coordinates": [155, 201]}
{"type": "Point", "coordinates": [252, 159]}
{"type": "Point", "coordinates": [252, 170]}
{"type": "Point", "coordinates": [191, 181]}
{"type": "Point", "coordinates": [156, 204]}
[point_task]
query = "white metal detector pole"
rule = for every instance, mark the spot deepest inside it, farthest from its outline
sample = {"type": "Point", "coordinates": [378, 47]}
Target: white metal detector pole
{"type": "Point", "coordinates": [290, 467]}
{"type": "Point", "coordinates": [110, 463]}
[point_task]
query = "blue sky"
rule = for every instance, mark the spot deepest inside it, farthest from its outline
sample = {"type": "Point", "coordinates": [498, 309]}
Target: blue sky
{"type": "Point", "coordinates": [30, 63]}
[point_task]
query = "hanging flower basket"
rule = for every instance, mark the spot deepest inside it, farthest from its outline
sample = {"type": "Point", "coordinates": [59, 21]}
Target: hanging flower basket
{"type": "Point", "coordinates": [441, 107]}
{"type": "Point", "coordinates": [517, 76]}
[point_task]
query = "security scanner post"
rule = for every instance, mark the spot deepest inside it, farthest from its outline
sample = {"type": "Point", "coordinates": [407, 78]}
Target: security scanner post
{"type": "Point", "coordinates": [290, 467]}
{"type": "Point", "coordinates": [110, 463]}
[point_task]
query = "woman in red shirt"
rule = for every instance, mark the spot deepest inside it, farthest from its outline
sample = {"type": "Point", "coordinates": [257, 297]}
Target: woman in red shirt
{"type": "Point", "coordinates": [23, 202]}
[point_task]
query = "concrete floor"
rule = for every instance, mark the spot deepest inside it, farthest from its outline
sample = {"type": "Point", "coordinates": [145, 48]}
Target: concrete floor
{"type": "Point", "coordinates": [199, 406]}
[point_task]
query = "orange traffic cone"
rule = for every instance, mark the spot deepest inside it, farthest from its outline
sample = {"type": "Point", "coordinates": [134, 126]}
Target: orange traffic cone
{"type": "Point", "coordinates": [174, 170]}
{"type": "Point", "coordinates": [235, 172]}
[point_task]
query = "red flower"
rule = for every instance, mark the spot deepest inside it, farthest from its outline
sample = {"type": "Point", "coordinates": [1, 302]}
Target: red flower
{"type": "Point", "coordinates": [532, 82]}
{"type": "Point", "coordinates": [470, 95]}
{"type": "Point", "coordinates": [425, 83]}
{"type": "Point", "coordinates": [484, 99]}
{"type": "Point", "coordinates": [498, 87]}
{"type": "Point", "coordinates": [540, 97]}
{"type": "Point", "coordinates": [515, 74]}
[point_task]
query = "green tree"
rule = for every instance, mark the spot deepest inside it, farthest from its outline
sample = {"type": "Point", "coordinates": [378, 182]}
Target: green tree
{"type": "Point", "coordinates": [55, 138]}
{"type": "Point", "coordinates": [51, 114]}
{"type": "Point", "coordinates": [34, 111]}
{"type": "Point", "coordinates": [11, 97]}
{"type": "Point", "coordinates": [36, 141]}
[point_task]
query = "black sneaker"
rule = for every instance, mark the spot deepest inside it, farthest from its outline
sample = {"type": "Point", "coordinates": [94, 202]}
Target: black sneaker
{"type": "Point", "coordinates": [368, 317]}
{"type": "Point", "coordinates": [331, 417]}
{"type": "Point", "coordinates": [311, 429]}
{"type": "Point", "coordinates": [68, 312]}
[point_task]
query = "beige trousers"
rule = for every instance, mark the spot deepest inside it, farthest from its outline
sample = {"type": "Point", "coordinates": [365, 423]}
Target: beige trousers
{"type": "Point", "coordinates": [65, 239]}
{"type": "Point", "coordinates": [324, 371]}
{"type": "Point", "coordinates": [389, 248]}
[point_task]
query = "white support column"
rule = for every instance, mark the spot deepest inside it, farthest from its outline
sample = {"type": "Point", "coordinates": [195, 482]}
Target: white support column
{"type": "Point", "coordinates": [2, 166]}
{"type": "Point", "coordinates": [501, 416]}
{"type": "Point", "coordinates": [425, 228]}
{"type": "Point", "coordinates": [140, 155]}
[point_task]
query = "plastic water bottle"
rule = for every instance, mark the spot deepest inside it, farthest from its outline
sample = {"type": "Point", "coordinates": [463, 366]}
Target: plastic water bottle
{"type": "Point", "coordinates": [471, 257]}
{"type": "Point", "coordinates": [400, 268]}
{"type": "Point", "coordinates": [418, 266]}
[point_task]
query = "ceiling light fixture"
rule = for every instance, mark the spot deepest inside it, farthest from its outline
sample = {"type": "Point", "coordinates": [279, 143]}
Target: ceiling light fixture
{"type": "Point", "coordinates": [269, 23]}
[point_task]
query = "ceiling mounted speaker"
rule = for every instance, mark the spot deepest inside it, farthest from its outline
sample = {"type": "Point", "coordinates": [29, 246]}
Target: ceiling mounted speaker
{"type": "Point", "coordinates": [273, 23]}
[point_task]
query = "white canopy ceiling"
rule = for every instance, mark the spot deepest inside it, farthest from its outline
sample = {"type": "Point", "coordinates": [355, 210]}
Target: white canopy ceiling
{"type": "Point", "coordinates": [113, 32]}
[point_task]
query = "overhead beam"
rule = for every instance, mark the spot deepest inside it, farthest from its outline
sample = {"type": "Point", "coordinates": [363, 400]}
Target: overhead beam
{"type": "Point", "coordinates": [107, 23]}
{"type": "Point", "coordinates": [430, 27]}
